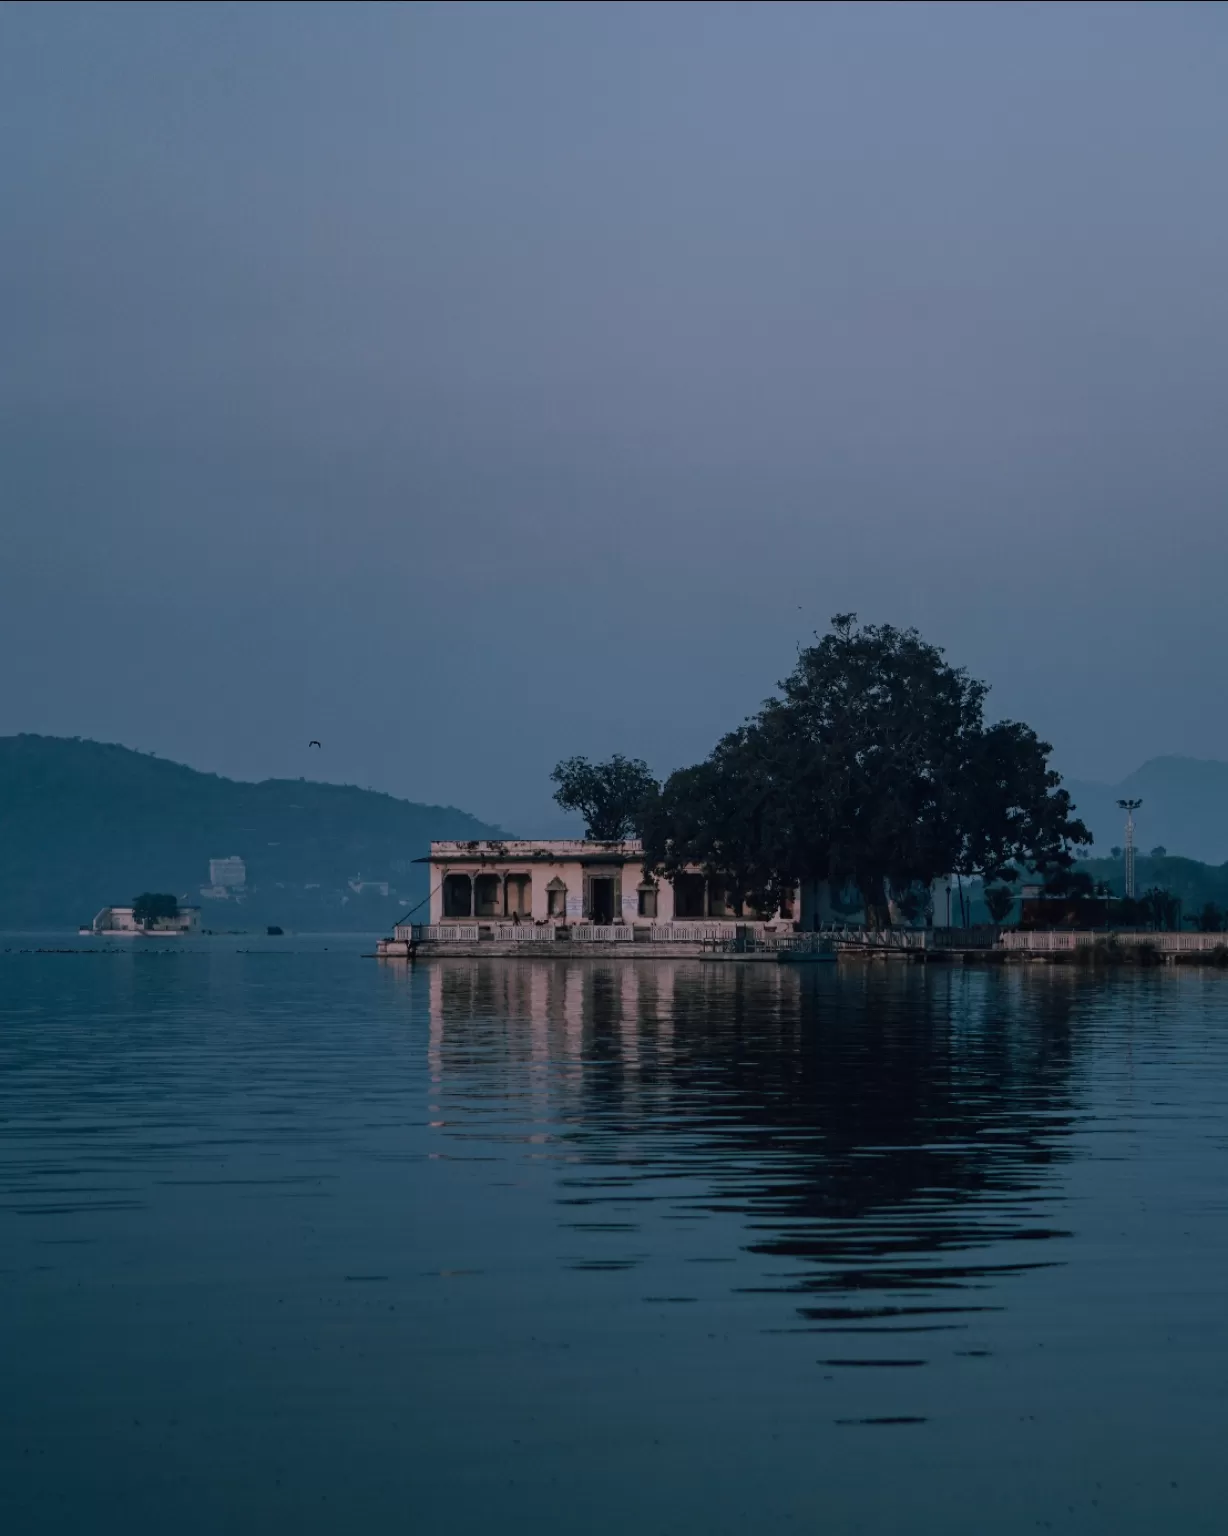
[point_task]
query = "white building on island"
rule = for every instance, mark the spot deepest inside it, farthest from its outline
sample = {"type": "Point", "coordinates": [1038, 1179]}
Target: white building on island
{"type": "Point", "coordinates": [120, 920]}
{"type": "Point", "coordinates": [498, 895]}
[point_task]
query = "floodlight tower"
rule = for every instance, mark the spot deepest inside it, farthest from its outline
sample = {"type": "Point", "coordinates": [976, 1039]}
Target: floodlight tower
{"type": "Point", "coordinates": [1129, 806]}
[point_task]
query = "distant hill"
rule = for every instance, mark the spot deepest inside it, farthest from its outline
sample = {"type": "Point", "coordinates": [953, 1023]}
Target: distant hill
{"type": "Point", "coordinates": [1193, 883]}
{"type": "Point", "coordinates": [84, 824]}
{"type": "Point", "coordinates": [1185, 808]}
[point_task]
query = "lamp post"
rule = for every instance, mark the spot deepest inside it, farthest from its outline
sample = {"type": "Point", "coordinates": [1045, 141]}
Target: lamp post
{"type": "Point", "coordinates": [1129, 806]}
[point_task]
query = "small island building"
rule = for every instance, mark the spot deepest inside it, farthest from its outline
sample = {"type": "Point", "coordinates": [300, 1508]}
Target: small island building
{"type": "Point", "coordinates": [121, 921]}
{"type": "Point", "coordinates": [571, 889]}
{"type": "Point", "coordinates": [493, 896]}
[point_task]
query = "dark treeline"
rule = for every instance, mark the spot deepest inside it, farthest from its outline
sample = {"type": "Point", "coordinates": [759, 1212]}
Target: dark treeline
{"type": "Point", "coordinates": [84, 824]}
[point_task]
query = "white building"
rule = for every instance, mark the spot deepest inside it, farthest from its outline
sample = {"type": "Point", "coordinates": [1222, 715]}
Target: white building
{"type": "Point", "coordinates": [230, 872]}
{"type": "Point", "coordinates": [120, 920]}
{"type": "Point", "coordinates": [571, 881]}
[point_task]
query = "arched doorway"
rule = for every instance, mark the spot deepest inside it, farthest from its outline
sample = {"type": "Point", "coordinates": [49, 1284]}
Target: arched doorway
{"type": "Point", "coordinates": [518, 896]}
{"type": "Point", "coordinates": [487, 896]}
{"type": "Point", "coordinates": [457, 896]}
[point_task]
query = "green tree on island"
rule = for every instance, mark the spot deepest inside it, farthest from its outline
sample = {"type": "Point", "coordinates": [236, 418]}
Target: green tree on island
{"type": "Point", "coordinates": [873, 768]}
{"type": "Point", "coordinates": [154, 906]}
{"type": "Point", "coordinates": [612, 797]}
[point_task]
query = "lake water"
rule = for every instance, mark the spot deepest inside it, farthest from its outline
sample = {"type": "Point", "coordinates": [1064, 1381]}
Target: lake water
{"type": "Point", "coordinates": [295, 1240]}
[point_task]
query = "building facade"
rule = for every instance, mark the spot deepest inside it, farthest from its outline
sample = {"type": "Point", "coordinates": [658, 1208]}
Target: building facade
{"type": "Point", "coordinates": [227, 878]}
{"type": "Point", "coordinates": [230, 872]}
{"type": "Point", "coordinates": [568, 882]}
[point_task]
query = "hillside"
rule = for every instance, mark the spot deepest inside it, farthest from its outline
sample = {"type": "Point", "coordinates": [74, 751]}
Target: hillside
{"type": "Point", "coordinates": [1184, 810]}
{"type": "Point", "coordinates": [1193, 884]}
{"type": "Point", "coordinates": [83, 824]}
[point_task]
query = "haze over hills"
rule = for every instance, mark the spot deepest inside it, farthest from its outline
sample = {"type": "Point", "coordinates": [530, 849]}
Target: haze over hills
{"type": "Point", "coordinates": [84, 824]}
{"type": "Point", "coordinates": [1185, 808]}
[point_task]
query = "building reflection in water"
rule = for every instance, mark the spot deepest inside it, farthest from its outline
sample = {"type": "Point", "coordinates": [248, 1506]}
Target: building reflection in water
{"type": "Point", "coordinates": [888, 1139]}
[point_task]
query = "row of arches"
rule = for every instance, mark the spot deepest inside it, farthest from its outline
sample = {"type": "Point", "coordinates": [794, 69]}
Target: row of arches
{"type": "Point", "coordinates": [510, 896]}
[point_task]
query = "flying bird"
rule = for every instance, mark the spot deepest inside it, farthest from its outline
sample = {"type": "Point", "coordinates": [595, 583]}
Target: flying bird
{"type": "Point", "coordinates": [311, 744]}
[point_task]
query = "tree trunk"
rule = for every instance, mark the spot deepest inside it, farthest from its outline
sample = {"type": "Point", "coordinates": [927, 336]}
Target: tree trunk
{"type": "Point", "coordinates": [874, 899]}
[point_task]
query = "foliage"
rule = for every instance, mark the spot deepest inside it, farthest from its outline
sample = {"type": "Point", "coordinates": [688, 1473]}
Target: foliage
{"type": "Point", "coordinates": [1156, 908]}
{"type": "Point", "coordinates": [999, 899]}
{"type": "Point", "coordinates": [612, 796]}
{"type": "Point", "coordinates": [911, 901]}
{"type": "Point", "coordinates": [154, 906]}
{"type": "Point", "coordinates": [1158, 852]}
{"type": "Point", "coordinates": [1210, 919]}
{"type": "Point", "coordinates": [872, 768]}
{"type": "Point", "coordinates": [1069, 882]}
{"type": "Point", "coordinates": [1011, 806]}
{"type": "Point", "coordinates": [1194, 883]}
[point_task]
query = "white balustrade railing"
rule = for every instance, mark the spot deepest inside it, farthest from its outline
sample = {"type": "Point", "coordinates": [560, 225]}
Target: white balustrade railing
{"type": "Point", "coordinates": [887, 939]}
{"type": "Point", "coordinates": [1017, 938]}
{"type": "Point", "coordinates": [1182, 943]}
{"type": "Point", "coordinates": [692, 933]}
{"type": "Point", "coordinates": [443, 933]}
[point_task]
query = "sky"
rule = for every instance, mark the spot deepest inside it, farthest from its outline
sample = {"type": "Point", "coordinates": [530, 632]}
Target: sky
{"type": "Point", "coordinates": [466, 386]}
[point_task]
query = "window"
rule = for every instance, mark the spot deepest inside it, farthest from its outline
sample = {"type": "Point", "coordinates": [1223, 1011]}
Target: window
{"type": "Point", "coordinates": [648, 901]}
{"type": "Point", "coordinates": [486, 896]}
{"type": "Point", "coordinates": [556, 899]}
{"type": "Point", "coordinates": [457, 896]}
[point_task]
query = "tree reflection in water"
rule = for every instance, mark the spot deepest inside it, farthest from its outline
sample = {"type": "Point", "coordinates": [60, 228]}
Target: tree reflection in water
{"type": "Point", "coordinates": [889, 1134]}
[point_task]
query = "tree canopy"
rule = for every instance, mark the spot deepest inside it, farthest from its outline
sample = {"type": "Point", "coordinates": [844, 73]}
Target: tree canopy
{"type": "Point", "coordinates": [872, 768]}
{"type": "Point", "coordinates": [999, 899]}
{"type": "Point", "coordinates": [153, 906]}
{"type": "Point", "coordinates": [612, 797]}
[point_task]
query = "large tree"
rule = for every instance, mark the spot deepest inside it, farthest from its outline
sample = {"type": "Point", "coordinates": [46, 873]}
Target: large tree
{"type": "Point", "coordinates": [727, 815]}
{"type": "Point", "coordinates": [154, 906]}
{"type": "Point", "coordinates": [871, 768]}
{"type": "Point", "coordinates": [613, 797]}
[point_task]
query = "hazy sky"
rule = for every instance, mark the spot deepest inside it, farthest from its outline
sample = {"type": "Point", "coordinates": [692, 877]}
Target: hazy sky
{"type": "Point", "coordinates": [466, 386]}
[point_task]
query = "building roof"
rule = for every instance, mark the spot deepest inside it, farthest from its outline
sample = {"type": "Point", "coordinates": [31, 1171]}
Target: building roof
{"type": "Point", "coordinates": [533, 848]}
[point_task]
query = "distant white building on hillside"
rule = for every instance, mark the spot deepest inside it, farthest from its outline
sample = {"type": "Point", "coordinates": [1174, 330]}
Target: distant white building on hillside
{"type": "Point", "coordinates": [231, 872]}
{"type": "Point", "coordinates": [227, 877]}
